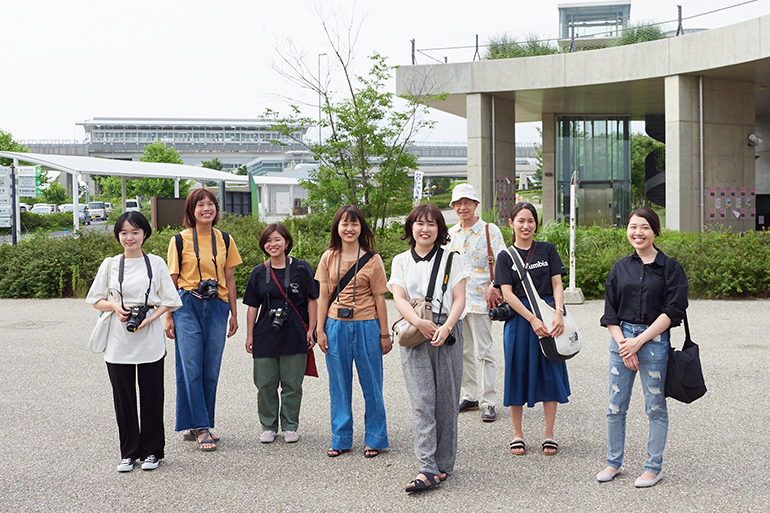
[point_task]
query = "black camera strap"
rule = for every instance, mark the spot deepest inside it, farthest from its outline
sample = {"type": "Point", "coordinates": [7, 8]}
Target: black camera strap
{"type": "Point", "coordinates": [447, 270]}
{"type": "Point", "coordinates": [121, 269]}
{"type": "Point", "coordinates": [341, 284]}
{"type": "Point", "coordinates": [213, 251]}
{"type": "Point", "coordinates": [434, 275]}
{"type": "Point", "coordinates": [286, 287]}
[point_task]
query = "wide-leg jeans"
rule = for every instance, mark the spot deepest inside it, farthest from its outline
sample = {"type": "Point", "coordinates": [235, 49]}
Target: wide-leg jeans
{"type": "Point", "coordinates": [357, 341]}
{"type": "Point", "coordinates": [201, 330]}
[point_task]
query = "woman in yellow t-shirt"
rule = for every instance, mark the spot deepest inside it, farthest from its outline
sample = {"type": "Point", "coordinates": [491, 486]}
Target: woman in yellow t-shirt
{"type": "Point", "coordinates": [201, 261]}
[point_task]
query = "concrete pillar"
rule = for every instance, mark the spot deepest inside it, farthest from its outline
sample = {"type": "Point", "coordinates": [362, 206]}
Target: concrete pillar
{"type": "Point", "coordinates": [548, 196]}
{"type": "Point", "coordinates": [728, 120]}
{"type": "Point", "coordinates": [485, 159]}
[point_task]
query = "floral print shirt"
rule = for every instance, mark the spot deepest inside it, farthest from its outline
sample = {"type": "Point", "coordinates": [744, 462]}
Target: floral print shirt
{"type": "Point", "coordinates": [471, 244]}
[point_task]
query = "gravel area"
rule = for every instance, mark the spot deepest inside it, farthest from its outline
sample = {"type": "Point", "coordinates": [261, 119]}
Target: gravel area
{"type": "Point", "coordinates": [60, 443]}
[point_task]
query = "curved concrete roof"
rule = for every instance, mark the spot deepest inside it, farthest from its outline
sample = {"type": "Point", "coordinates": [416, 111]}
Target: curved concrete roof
{"type": "Point", "coordinates": [124, 168]}
{"type": "Point", "coordinates": [620, 80]}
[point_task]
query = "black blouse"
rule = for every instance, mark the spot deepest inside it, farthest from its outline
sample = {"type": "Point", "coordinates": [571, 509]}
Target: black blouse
{"type": "Point", "coordinates": [636, 293]}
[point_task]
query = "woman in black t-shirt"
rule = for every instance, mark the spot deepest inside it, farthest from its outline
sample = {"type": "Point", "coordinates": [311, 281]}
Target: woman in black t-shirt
{"type": "Point", "coordinates": [281, 295]}
{"type": "Point", "coordinates": [529, 376]}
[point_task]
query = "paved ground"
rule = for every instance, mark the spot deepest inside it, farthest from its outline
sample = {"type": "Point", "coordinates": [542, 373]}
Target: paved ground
{"type": "Point", "coordinates": [60, 444]}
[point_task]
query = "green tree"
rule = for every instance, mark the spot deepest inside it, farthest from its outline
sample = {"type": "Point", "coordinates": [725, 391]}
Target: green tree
{"type": "Point", "coordinates": [148, 187]}
{"type": "Point", "coordinates": [365, 157]}
{"type": "Point", "coordinates": [506, 46]}
{"type": "Point", "coordinates": [242, 170]}
{"type": "Point", "coordinates": [641, 146]}
{"type": "Point", "coordinates": [8, 144]}
{"type": "Point", "coordinates": [213, 164]}
{"type": "Point", "coordinates": [55, 193]}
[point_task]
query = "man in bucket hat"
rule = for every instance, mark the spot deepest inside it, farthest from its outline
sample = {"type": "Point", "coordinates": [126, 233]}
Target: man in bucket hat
{"type": "Point", "coordinates": [478, 243]}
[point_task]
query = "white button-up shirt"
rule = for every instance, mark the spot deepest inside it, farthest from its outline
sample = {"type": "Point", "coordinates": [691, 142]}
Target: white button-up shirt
{"type": "Point", "coordinates": [471, 244]}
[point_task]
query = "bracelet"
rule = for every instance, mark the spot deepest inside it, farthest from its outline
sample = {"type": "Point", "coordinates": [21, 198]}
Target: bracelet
{"type": "Point", "coordinates": [385, 336]}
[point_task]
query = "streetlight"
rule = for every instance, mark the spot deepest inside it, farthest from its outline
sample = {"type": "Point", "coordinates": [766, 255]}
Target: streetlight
{"type": "Point", "coordinates": [319, 96]}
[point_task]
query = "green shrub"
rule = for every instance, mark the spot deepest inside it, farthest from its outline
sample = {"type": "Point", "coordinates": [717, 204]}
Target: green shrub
{"type": "Point", "coordinates": [718, 264]}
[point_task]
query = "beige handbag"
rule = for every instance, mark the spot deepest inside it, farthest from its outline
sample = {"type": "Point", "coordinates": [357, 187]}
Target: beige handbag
{"type": "Point", "coordinates": [97, 342]}
{"type": "Point", "coordinates": [406, 333]}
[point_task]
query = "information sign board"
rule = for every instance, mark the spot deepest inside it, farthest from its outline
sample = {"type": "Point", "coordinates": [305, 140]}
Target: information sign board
{"type": "Point", "coordinates": [27, 192]}
{"type": "Point", "coordinates": [5, 181]}
{"type": "Point", "coordinates": [27, 181]}
{"type": "Point", "coordinates": [5, 222]}
{"type": "Point", "coordinates": [5, 171]}
{"type": "Point", "coordinates": [5, 191]}
{"type": "Point", "coordinates": [5, 201]}
{"type": "Point", "coordinates": [5, 211]}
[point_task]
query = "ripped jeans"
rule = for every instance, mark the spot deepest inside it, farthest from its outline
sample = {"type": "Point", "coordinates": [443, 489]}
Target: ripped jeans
{"type": "Point", "coordinates": [653, 361]}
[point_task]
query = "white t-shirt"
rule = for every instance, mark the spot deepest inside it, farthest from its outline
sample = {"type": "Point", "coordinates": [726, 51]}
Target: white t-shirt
{"type": "Point", "coordinates": [148, 344]}
{"type": "Point", "coordinates": [413, 276]}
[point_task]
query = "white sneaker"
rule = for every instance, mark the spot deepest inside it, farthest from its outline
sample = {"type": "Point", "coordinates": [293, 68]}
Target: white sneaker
{"type": "Point", "coordinates": [150, 462]}
{"type": "Point", "coordinates": [267, 436]}
{"type": "Point", "coordinates": [126, 465]}
{"type": "Point", "coordinates": [290, 437]}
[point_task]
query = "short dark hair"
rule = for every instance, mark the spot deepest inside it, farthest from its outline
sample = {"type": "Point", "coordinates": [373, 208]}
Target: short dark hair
{"type": "Point", "coordinates": [135, 219]}
{"type": "Point", "coordinates": [282, 230]}
{"type": "Point", "coordinates": [192, 200]}
{"type": "Point", "coordinates": [518, 207]}
{"type": "Point", "coordinates": [426, 212]}
{"type": "Point", "coordinates": [648, 215]}
{"type": "Point", "coordinates": [351, 213]}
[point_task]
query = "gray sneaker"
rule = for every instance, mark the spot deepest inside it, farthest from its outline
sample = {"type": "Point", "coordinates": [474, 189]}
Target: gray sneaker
{"type": "Point", "coordinates": [150, 462]}
{"type": "Point", "coordinates": [488, 414]}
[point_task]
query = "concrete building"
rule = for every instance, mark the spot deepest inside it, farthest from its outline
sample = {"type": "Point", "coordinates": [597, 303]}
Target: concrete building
{"type": "Point", "coordinates": [705, 94]}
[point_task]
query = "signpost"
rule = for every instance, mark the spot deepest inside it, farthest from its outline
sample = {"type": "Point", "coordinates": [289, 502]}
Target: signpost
{"type": "Point", "coordinates": [6, 198]}
{"type": "Point", "coordinates": [417, 195]}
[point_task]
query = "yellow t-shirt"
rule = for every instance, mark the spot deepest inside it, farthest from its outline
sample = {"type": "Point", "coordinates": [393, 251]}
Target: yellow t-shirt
{"type": "Point", "coordinates": [188, 274]}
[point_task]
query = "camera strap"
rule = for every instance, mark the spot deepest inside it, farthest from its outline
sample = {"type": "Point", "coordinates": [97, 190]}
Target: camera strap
{"type": "Point", "coordinates": [213, 251]}
{"type": "Point", "coordinates": [341, 284]}
{"type": "Point", "coordinates": [447, 270]}
{"type": "Point", "coordinates": [286, 282]}
{"type": "Point", "coordinates": [121, 269]}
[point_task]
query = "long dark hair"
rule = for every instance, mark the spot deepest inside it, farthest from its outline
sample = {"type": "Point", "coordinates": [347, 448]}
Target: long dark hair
{"type": "Point", "coordinates": [351, 213]}
{"type": "Point", "coordinates": [518, 207]}
{"type": "Point", "coordinates": [426, 212]}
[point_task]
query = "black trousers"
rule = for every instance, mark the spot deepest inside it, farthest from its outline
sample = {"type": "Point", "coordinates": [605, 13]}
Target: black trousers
{"type": "Point", "coordinates": [136, 442]}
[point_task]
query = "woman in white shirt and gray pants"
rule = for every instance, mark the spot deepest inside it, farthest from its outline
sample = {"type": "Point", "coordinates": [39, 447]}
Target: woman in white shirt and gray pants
{"type": "Point", "coordinates": [432, 370]}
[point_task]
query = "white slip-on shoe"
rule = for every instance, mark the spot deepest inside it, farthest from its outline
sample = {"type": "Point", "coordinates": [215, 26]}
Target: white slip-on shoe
{"type": "Point", "coordinates": [267, 436]}
{"type": "Point", "coordinates": [290, 437]}
{"type": "Point", "coordinates": [603, 478]}
{"type": "Point", "coordinates": [639, 483]}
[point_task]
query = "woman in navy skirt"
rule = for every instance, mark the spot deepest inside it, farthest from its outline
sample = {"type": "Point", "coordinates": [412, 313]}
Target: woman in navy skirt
{"type": "Point", "coordinates": [529, 376]}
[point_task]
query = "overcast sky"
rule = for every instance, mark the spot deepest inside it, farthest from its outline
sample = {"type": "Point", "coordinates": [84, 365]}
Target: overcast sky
{"type": "Point", "coordinates": [70, 60]}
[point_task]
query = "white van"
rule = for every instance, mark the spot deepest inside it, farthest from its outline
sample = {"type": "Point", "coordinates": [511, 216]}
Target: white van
{"type": "Point", "coordinates": [133, 205]}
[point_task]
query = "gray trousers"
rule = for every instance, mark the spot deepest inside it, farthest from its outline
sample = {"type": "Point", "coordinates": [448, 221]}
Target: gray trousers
{"type": "Point", "coordinates": [433, 376]}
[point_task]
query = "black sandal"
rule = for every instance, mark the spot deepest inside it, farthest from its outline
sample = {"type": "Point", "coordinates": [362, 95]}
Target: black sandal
{"type": "Point", "coordinates": [419, 485]}
{"type": "Point", "coordinates": [517, 444]}
{"type": "Point", "coordinates": [333, 453]}
{"type": "Point", "coordinates": [550, 444]}
{"type": "Point", "coordinates": [371, 453]}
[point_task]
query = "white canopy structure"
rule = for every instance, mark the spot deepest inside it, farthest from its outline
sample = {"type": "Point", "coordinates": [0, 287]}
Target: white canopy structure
{"type": "Point", "coordinates": [77, 166]}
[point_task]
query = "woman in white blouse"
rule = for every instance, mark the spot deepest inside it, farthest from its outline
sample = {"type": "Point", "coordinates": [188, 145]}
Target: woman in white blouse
{"type": "Point", "coordinates": [432, 370]}
{"type": "Point", "coordinates": [136, 347]}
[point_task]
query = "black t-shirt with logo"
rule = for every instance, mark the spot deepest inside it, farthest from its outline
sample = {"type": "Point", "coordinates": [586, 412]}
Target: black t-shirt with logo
{"type": "Point", "coordinates": [544, 262]}
{"type": "Point", "coordinates": [292, 338]}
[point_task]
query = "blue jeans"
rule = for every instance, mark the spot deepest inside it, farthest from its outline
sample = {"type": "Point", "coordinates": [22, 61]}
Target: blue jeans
{"type": "Point", "coordinates": [201, 330]}
{"type": "Point", "coordinates": [357, 341]}
{"type": "Point", "coordinates": [653, 361]}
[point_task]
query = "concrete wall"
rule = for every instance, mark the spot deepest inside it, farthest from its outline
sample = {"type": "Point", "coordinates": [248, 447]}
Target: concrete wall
{"type": "Point", "coordinates": [762, 164]}
{"type": "Point", "coordinates": [729, 169]}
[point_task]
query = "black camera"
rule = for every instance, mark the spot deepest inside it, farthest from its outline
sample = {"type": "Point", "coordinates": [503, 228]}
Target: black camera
{"type": "Point", "coordinates": [502, 312]}
{"type": "Point", "coordinates": [278, 316]}
{"type": "Point", "coordinates": [345, 313]}
{"type": "Point", "coordinates": [450, 340]}
{"type": "Point", "coordinates": [135, 318]}
{"type": "Point", "coordinates": [208, 288]}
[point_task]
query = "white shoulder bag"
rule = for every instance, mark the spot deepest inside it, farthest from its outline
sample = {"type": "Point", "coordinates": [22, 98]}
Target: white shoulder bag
{"type": "Point", "coordinates": [98, 340]}
{"type": "Point", "coordinates": [566, 345]}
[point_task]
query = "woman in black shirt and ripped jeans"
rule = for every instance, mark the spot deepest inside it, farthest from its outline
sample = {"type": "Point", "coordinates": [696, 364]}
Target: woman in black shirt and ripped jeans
{"type": "Point", "coordinates": [642, 301]}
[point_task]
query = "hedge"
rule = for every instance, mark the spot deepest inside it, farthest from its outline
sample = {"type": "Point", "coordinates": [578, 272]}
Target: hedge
{"type": "Point", "coordinates": [718, 264]}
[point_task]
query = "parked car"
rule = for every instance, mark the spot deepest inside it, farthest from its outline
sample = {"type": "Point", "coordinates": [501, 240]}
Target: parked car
{"type": "Point", "coordinates": [43, 209]}
{"type": "Point", "coordinates": [133, 205]}
{"type": "Point", "coordinates": [108, 208]}
{"type": "Point", "coordinates": [23, 207]}
{"type": "Point", "coordinates": [96, 208]}
{"type": "Point", "coordinates": [85, 215]}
